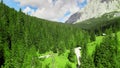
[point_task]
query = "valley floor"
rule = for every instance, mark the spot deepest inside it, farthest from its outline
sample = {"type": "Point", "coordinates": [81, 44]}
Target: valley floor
{"type": "Point", "coordinates": [53, 60]}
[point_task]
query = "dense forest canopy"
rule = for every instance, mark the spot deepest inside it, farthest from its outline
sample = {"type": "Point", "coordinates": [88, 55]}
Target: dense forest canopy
{"type": "Point", "coordinates": [22, 36]}
{"type": "Point", "coordinates": [20, 33]}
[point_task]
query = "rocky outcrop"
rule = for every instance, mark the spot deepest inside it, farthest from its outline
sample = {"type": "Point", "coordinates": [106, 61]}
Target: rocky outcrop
{"type": "Point", "coordinates": [95, 8]}
{"type": "Point", "coordinates": [107, 1]}
{"type": "Point", "coordinates": [74, 18]}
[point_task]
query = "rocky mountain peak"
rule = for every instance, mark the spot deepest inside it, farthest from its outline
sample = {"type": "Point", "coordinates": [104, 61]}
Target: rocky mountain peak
{"type": "Point", "coordinates": [74, 17]}
{"type": "Point", "coordinates": [93, 9]}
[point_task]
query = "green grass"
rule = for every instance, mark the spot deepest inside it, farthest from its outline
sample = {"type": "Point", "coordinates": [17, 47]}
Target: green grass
{"type": "Point", "coordinates": [57, 61]}
{"type": "Point", "coordinates": [60, 61]}
{"type": "Point", "coordinates": [91, 46]}
{"type": "Point", "coordinates": [118, 54]}
{"type": "Point", "coordinates": [118, 35]}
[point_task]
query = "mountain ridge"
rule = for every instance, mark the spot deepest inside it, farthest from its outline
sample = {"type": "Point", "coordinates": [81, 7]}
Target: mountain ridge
{"type": "Point", "coordinates": [95, 9]}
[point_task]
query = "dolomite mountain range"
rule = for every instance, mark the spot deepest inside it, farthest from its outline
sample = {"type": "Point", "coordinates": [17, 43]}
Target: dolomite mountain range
{"type": "Point", "coordinates": [94, 8]}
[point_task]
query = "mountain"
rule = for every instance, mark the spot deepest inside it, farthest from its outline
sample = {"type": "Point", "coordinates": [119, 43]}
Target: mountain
{"type": "Point", "coordinates": [103, 22]}
{"type": "Point", "coordinates": [74, 17]}
{"type": "Point", "coordinates": [24, 39]}
{"type": "Point", "coordinates": [94, 9]}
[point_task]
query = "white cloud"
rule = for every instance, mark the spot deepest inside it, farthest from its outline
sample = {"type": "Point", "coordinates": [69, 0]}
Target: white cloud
{"type": "Point", "coordinates": [28, 10]}
{"type": "Point", "coordinates": [81, 1]}
{"type": "Point", "coordinates": [47, 10]}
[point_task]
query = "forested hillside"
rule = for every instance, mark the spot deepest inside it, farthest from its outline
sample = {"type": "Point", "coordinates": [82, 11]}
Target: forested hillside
{"type": "Point", "coordinates": [103, 22]}
{"type": "Point", "coordinates": [23, 39]}
{"type": "Point", "coordinates": [21, 36]}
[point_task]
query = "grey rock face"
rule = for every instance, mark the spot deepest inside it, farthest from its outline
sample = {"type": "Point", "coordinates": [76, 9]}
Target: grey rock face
{"type": "Point", "coordinates": [74, 17]}
{"type": "Point", "coordinates": [105, 1]}
{"type": "Point", "coordinates": [94, 9]}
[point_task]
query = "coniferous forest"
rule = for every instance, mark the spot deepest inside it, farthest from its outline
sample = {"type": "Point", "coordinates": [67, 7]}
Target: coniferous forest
{"type": "Point", "coordinates": [24, 38]}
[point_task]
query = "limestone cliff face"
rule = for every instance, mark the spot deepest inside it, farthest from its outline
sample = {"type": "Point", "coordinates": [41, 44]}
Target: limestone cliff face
{"type": "Point", "coordinates": [74, 17]}
{"type": "Point", "coordinates": [96, 8]}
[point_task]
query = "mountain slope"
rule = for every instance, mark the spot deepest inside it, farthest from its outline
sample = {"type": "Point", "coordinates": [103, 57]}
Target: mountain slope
{"type": "Point", "coordinates": [74, 18]}
{"type": "Point", "coordinates": [96, 8]}
{"type": "Point", "coordinates": [23, 39]}
{"type": "Point", "coordinates": [101, 23]}
{"type": "Point", "coordinates": [22, 36]}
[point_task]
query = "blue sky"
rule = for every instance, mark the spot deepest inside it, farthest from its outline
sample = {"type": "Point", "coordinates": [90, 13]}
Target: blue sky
{"type": "Point", "coordinates": [81, 5]}
{"type": "Point", "coordinates": [56, 10]}
{"type": "Point", "coordinates": [12, 4]}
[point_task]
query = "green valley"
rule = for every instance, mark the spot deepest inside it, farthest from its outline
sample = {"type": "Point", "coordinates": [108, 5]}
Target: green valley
{"type": "Point", "coordinates": [30, 42]}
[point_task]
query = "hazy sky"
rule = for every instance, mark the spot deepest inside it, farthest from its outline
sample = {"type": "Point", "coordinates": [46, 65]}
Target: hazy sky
{"type": "Point", "coordinates": [55, 10]}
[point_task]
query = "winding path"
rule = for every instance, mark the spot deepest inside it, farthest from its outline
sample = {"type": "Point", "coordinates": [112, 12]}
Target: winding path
{"type": "Point", "coordinates": [45, 56]}
{"type": "Point", "coordinates": [78, 54]}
